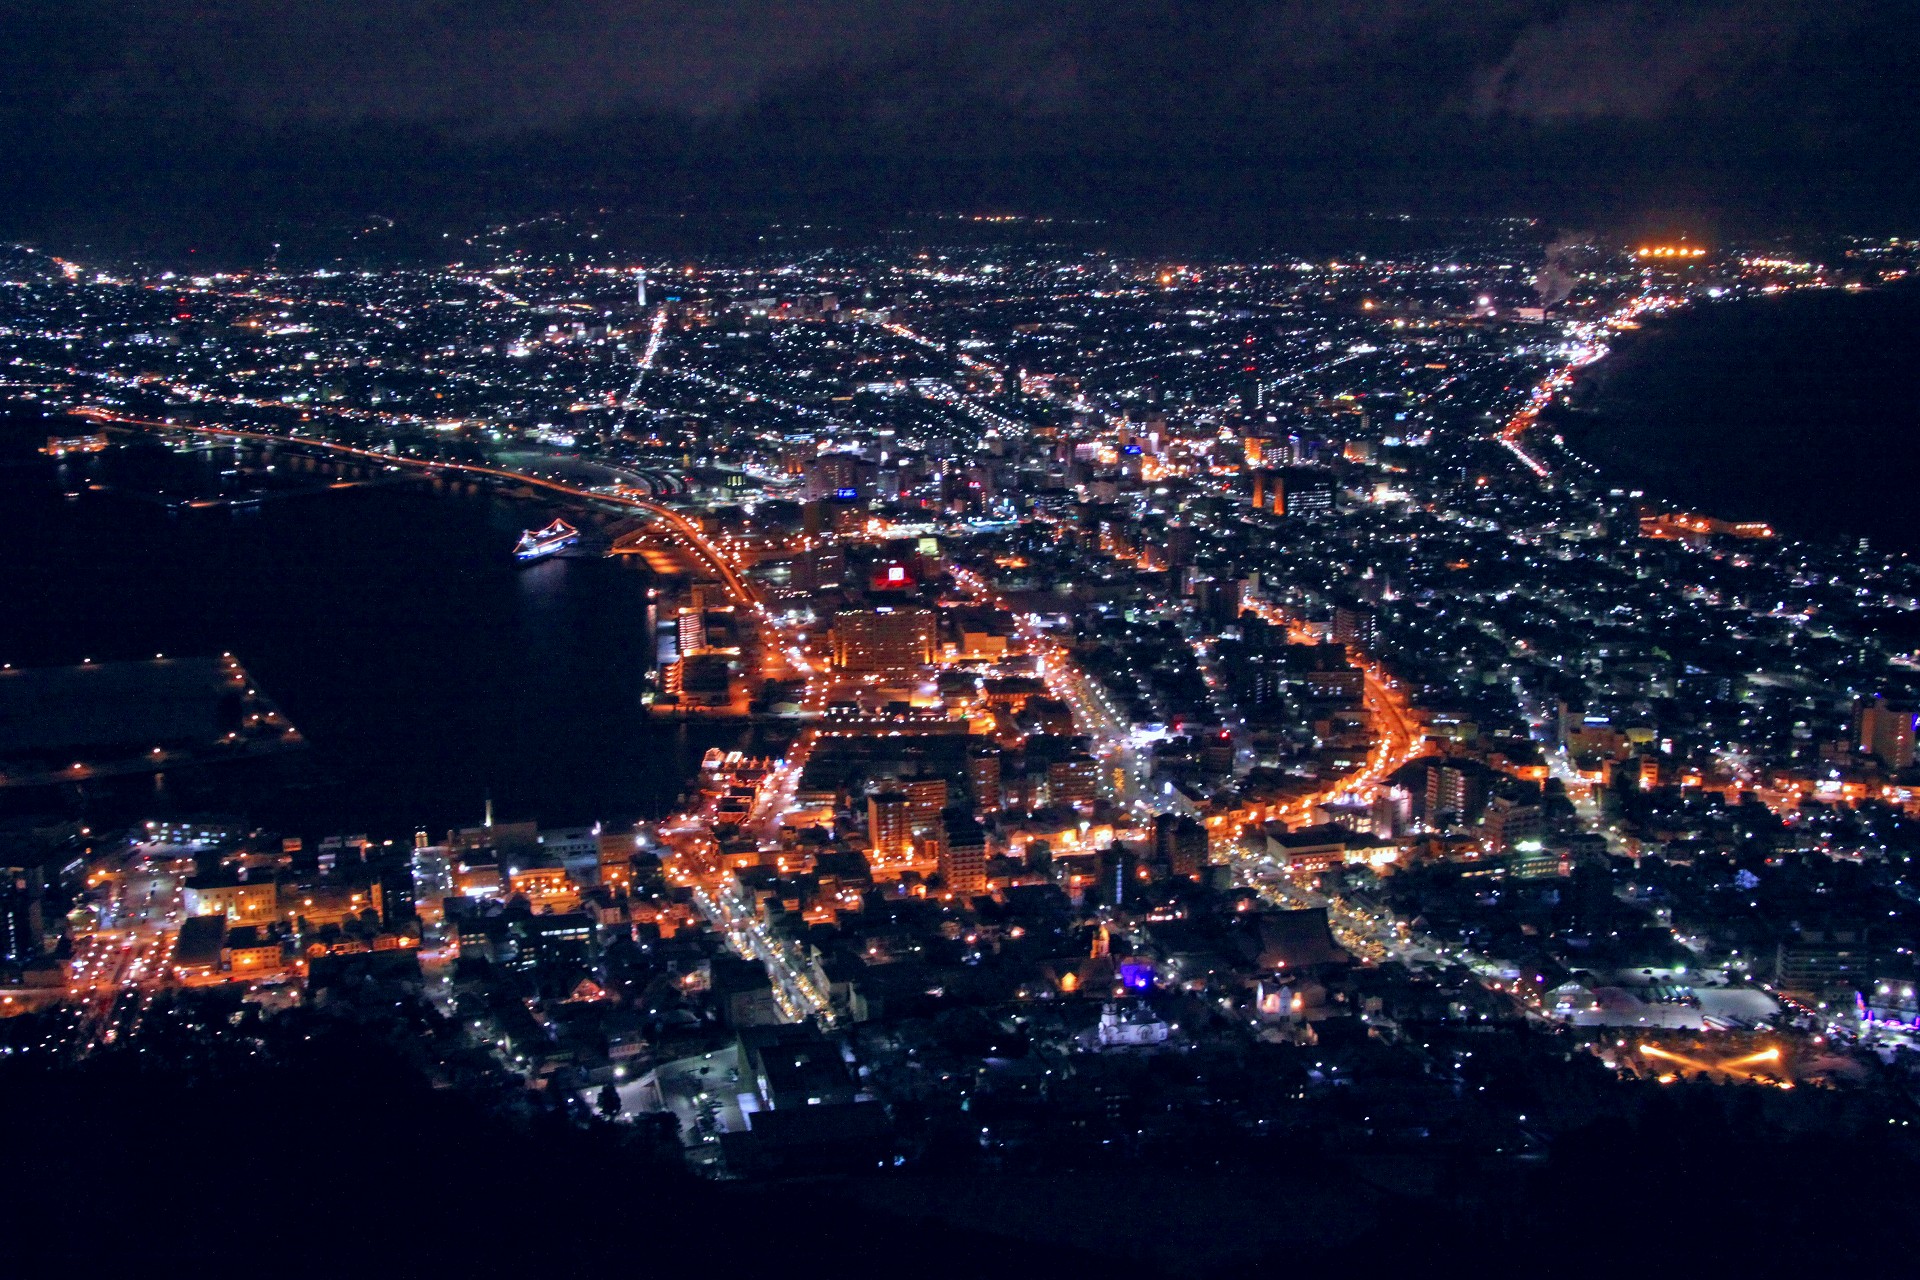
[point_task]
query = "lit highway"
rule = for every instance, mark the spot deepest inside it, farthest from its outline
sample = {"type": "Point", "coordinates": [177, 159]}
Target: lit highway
{"type": "Point", "coordinates": [1588, 343]}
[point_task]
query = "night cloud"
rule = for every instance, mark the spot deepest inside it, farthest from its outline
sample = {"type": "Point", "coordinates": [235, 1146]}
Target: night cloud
{"type": "Point", "coordinates": [1626, 61]}
{"type": "Point", "coordinates": [505, 64]}
{"type": "Point", "coordinates": [1379, 86]}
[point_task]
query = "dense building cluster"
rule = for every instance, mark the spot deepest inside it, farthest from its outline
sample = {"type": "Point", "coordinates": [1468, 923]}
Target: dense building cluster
{"type": "Point", "coordinates": [1203, 706]}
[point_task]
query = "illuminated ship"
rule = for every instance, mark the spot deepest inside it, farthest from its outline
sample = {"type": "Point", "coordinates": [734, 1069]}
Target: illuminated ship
{"type": "Point", "coordinates": [535, 544]}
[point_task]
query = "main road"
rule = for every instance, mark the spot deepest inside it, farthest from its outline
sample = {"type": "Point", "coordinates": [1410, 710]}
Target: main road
{"type": "Point", "coordinates": [1589, 344]}
{"type": "Point", "coordinates": [1397, 742]}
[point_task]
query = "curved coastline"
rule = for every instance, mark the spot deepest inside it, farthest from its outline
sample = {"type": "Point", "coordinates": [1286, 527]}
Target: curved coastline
{"type": "Point", "coordinates": [376, 656]}
{"type": "Point", "coordinates": [1797, 410]}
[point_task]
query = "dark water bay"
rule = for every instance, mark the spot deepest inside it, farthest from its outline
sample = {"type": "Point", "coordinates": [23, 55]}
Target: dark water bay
{"type": "Point", "coordinates": [1802, 410]}
{"type": "Point", "coordinates": [426, 669]}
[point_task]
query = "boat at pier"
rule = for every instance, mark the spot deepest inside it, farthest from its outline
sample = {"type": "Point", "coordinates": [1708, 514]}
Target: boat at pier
{"type": "Point", "coordinates": [536, 544]}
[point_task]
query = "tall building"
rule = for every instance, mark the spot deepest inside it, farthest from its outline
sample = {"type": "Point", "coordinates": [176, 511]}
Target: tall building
{"type": "Point", "coordinates": [887, 639]}
{"type": "Point", "coordinates": [1453, 789]}
{"type": "Point", "coordinates": [1886, 732]}
{"type": "Point", "coordinates": [1357, 626]}
{"type": "Point", "coordinates": [926, 799]}
{"type": "Point", "coordinates": [983, 778]}
{"type": "Point", "coordinates": [963, 855]}
{"type": "Point", "coordinates": [616, 850]}
{"type": "Point", "coordinates": [22, 921]}
{"type": "Point", "coordinates": [1266, 490]}
{"type": "Point", "coordinates": [1074, 781]}
{"type": "Point", "coordinates": [691, 631]}
{"type": "Point", "coordinates": [1181, 843]}
{"type": "Point", "coordinates": [1508, 823]}
{"type": "Point", "coordinates": [1303, 492]}
{"type": "Point", "coordinates": [841, 475]}
{"type": "Point", "coordinates": [393, 881]}
{"type": "Point", "coordinates": [889, 826]}
{"type": "Point", "coordinates": [1392, 811]}
{"type": "Point", "coordinates": [821, 568]}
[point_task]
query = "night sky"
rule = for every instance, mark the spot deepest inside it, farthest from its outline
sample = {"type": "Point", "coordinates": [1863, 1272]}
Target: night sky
{"type": "Point", "coordinates": [1750, 113]}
